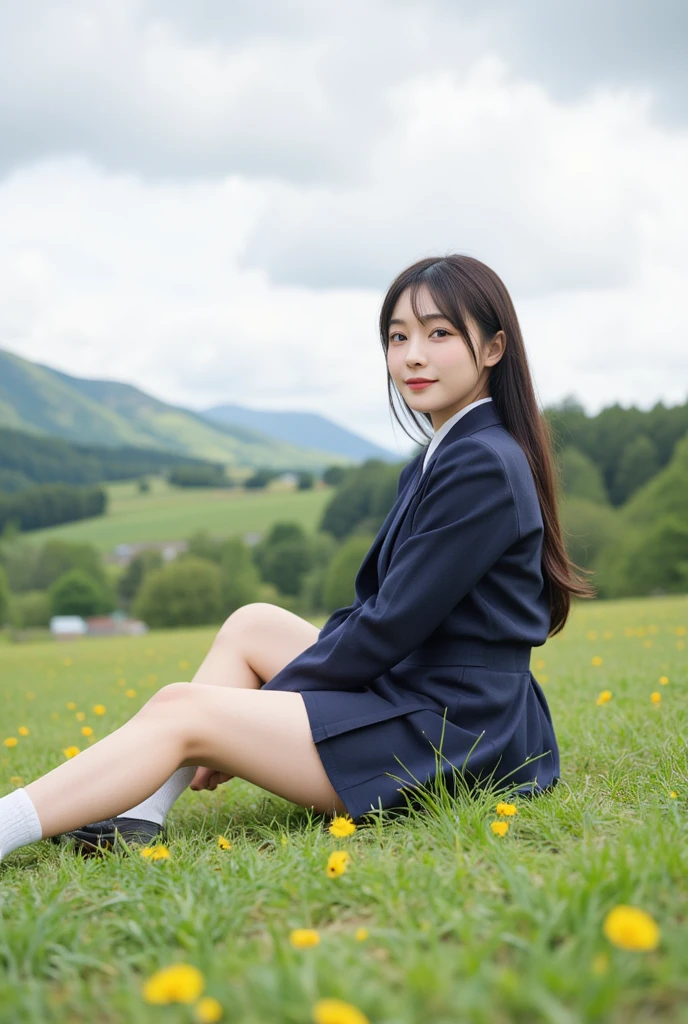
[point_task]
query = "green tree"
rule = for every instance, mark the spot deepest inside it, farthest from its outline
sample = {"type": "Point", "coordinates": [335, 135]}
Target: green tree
{"type": "Point", "coordinates": [363, 499]}
{"type": "Point", "coordinates": [580, 477]}
{"type": "Point", "coordinates": [133, 575]}
{"type": "Point", "coordinates": [306, 481]}
{"type": "Point", "coordinates": [286, 563]}
{"type": "Point", "coordinates": [239, 577]}
{"type": "Point", "coordinates": [665, 494]}
{"type": "Point", "coordinates": [77, 593]}
{"type": "Point", "coordinates": [339, 589]}
{"type": "Point", "coordinates": [656, 561]}
{"type": "Point", "coordinates": [639, 462]}
{"type": "Point", "coordinates": [4, 597]}
{"type": "Point", "coordinates": [588, 528]}
{"type": "Point", "coordinates": [32, 609]}
{"type": "Point", "coordinates": [56, 557]}
{"type": "Point", "coordinates": [182, 593]}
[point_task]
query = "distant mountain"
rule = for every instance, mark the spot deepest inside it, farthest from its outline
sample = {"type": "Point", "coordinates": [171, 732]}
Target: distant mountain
{"type": "Point", "coordinates": [300, 428]}
{"type": "Point", "coordinates": [38, 399]}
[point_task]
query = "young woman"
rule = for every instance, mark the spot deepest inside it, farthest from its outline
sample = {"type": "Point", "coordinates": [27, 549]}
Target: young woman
{"type": "Point", "coordinates": [467, 573]}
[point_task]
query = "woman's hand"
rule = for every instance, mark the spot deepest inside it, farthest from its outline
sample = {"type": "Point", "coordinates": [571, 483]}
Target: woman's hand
{"type": "Point", "coordinates": [208, 778]}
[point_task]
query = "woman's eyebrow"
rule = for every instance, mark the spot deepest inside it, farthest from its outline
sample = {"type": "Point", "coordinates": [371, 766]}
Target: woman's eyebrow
{"type": "Point", "coordinates": [423, 319]}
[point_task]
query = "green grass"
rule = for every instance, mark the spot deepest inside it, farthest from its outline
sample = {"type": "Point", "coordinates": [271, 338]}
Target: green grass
{"type": "Point", "coordinates": [170, 513]}
{"type": "Point", "coordinates": [463, 925]}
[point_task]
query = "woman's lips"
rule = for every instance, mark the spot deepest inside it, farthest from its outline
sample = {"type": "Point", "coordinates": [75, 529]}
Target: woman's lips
{"type": "Point", "coordinates": [420, 386]}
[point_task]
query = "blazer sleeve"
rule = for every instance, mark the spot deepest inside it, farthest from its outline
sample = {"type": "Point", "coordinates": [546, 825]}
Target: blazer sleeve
{"type": "Point", "coordinates": [465, 521]}
{"type": "Point", "coordinates": [340, 614]}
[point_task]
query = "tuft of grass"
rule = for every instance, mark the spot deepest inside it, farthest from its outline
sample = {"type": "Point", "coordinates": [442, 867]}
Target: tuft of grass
{"type": "Point", "coordinates": [462, 924]}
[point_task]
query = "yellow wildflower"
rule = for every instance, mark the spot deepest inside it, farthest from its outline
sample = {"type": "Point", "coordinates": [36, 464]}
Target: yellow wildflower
{"type": "Point", "coordinates": [647, 643]}
{"type": "Point", "coordinates": [604, 697]}
{"type": "Point", "coordinates": [596, 661]}
{"type": "Point", "coordinates": [592, 634]}
{"type": "Point", "coordinates": [500, 828]}
{"type": "Point", "coordinates": [507, 810]}
{"type": "Point", "coordinates": [663, 680]}
{"type": "Point", "coordinates": [179, 983]}
{"type": "Point", "coordinates": [67, 662]}
{"type": "Point", "coordinates": [361, 934]}
{"type": "Point", "coordinates": [656, 697]}
{"type": "Point", "coordinates": [208, 1010]}
{"type": "Point", "coordinates": [600, 964]}
{"type": "Point", "coordinates": [631, 928]}
{"type": "Point", "coordinates": [680, 631]}
{"type": "Point", "coordinates": [673, 795]}
{"type": "Point", "coordinates": [342, 825]}
{"type": "Point", "coordinates": [183, 664]}
{"type": "Point", "coordinates": [337, 1011]}
{"type": "Point", "coordinates": [11, 741]}
{"type": "Point", "coordinates": [80, 716]}
{"type": "Point", "coordinates": [337, 863]}
{"type": "Point", "coordinates": [70, 752]}
{"type": "Point", "coordinates": [543, 679]}
{"type": "Point", "coordinates": [284, 840]}
{"type": "Point", "coordinates": [16, 780]}
{"type": "Point", "coordinates": [99, 709]}
{"type": "Point", "coordinates": [23, 731]}
{"type": "Point", "coordinates": [302, 938]}
{"type": "Point", "coordinates": [86, 730]}
{"type": "Point", "coordinates": [130, 693]}
{"type": "Point", "coordinates": [159, 852]}
{"type": "Point", "coordinates": [223, 843]}
{"type": "Point", "coordinates": [540, 663]}
{"type": "Point", "coordinates": [71, 706]}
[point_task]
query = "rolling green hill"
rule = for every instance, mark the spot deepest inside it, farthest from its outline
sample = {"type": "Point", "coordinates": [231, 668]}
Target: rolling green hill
{"type": "Point", "coordinates": [38, 399]}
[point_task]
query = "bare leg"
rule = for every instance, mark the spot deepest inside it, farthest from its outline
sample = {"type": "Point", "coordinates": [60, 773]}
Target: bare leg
{"type": "Point", "coordinates": [264, 738]}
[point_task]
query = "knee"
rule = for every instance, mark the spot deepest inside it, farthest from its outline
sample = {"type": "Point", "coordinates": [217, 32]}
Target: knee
{"type": "Point", "coordinates": [174, 695]}
{"type": "Point", "coordinates": [242, 619]}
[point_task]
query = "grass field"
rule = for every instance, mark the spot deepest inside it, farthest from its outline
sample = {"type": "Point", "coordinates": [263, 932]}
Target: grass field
{"type": "Point", "coordinates": [171, 513]}
{"type": "Point", "coordinates": [460, 924]}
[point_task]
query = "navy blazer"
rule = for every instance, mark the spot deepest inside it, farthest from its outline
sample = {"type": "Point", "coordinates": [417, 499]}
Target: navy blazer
{"type": "Point", "coordinates": [454, 579]}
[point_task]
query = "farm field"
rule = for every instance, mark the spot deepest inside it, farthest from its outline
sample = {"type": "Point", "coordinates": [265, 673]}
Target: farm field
{"type": "Point", "coordinates": [435, 919]}
{"type": "Point", "coordinates": [169, 513]}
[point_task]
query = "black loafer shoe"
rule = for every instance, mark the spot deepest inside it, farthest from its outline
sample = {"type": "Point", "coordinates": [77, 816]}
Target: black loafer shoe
{"type": "Point", "coordinates": [105, 835]}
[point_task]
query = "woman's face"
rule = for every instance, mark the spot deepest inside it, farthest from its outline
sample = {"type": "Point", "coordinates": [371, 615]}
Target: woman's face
{"type": "Point", "coordinates": [437, 351]}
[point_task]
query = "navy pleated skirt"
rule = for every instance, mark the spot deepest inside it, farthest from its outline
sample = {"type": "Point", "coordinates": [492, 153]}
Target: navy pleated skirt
{"type": "Point", "coordinates": [490, 721]}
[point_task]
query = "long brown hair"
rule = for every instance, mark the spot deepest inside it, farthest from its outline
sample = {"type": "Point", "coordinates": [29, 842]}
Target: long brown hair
{"type": "Point", "coordinates": [463, 286]}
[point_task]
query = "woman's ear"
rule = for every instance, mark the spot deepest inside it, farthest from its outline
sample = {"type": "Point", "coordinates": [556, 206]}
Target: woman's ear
{"type": "Point", "coordinates": [494, 349]}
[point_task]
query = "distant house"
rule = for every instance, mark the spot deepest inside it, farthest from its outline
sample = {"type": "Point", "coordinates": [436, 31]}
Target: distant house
{"type": "Point", "coordinates": [116, 624]}
{"type": "Point", "coordinates": [288, 478]}
{"type": "Point", "coordinates": [65, 627]}
{"type": "Point", "coordinates": [124, 553]}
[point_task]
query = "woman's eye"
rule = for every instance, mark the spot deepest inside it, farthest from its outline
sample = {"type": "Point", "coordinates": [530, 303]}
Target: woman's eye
{"type": "Point", "coordinates": [441, 330]}
{"type": "Point", "coordinates": [397, 335]}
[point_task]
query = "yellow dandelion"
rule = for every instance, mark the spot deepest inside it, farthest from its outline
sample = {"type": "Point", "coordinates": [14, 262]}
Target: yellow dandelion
{"type": "Point", "coordinates": [86, 730]}
{"type": "Point", "coordinates": [208, 1010]}
{"type": "Point", "coordinates": [99, 709]}
{"type": "Point", "coordinates": [70, 752]}
{"type": "Point", "coordinates": [303, 938]}
{"type": "Point", "coordinates": [178, 983]}
{"type": "Point", "coordinates": [596, 661]}
{"type": "Point", "coordinates": [130, 693]}
{"type": "Point", "coordinates": [604, 697]}
{"type": "Point", "coordinates": [631, 928]}
{"type": "Point", "coordinates": [647, 643]}
{"type": "Point", "coordinates": [543, 679]}
{"type": "Point", "coordinates": [30, 695]}
{"type": "Point", "coordinates": [337, 863]}
{"type": "Point", "coordinates": [159, 852]}
{"type": "Point", "coordinates": [71, 706]}
{"type": "Point", "coordinates": [223, 843]}
{"type": "Point", "coordinates": [183, 664]}
{"type": "Point", "coordinates": [592, 634]}
{"type": "Point", "coordinates": [507, 810]}
{"type": "Point", "coordinates": [656, 697]}
{"type": "Point", "coordinates": [361, 934]}
{"type": "Point", "coordinates": [663, 680]}
{"type": "Point", "coordinates": [540, 664]}
{"type": "Point", "coordinates": [284, 840]}
{"type": "Point", "coordinates": [80, 716]}
{"type": "Point", "coordinates": [337, 1011]}
{"type": "Point", "coordinates": [11, 741]}
{"type": "Point", "coordinates": [342, 825]}
{"type": "Point", "coordinates": [23, 731]}
{"type": "Point", "coordinates": [673, 795]}
{"type": "Point", "coordinates": [680, 631]}
{"type": "Point", "coordinates": [152, 678]}
{"type": "Point", "coordinates": [54, 715]}
{"type": "Point", "coordinates": [500, 828]}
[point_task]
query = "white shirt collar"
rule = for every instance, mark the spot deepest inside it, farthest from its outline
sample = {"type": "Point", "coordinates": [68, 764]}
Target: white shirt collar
{"type": "Point", "coordinates": [446, 427]}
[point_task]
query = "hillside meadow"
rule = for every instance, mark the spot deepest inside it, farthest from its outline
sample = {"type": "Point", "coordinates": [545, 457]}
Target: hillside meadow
{"type": "Point", "coordinates": [435, 917]}
{"type": "Point", "coordinates": [169, 513]}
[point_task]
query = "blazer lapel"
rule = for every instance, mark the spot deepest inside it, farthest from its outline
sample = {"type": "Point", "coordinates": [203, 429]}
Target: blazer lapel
{"type": "Point", "coordinates": [477, 419]}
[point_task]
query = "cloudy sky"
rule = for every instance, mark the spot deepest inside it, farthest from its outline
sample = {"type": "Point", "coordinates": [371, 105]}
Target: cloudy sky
{"type": "Point", "coordinates": [208, 199]}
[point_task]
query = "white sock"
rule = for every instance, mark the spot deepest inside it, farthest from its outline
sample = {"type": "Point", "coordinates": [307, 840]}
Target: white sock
{"type": "Point", "coordinates": [157, 806]}
{"type": "Point", "coordinates": [19, 824]}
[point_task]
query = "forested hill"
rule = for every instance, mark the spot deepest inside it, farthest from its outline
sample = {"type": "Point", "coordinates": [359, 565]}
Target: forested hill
{"type": "Point", "coordinates": [610, 456]}
{"type": "Point", "coordinates": [30, 459]}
